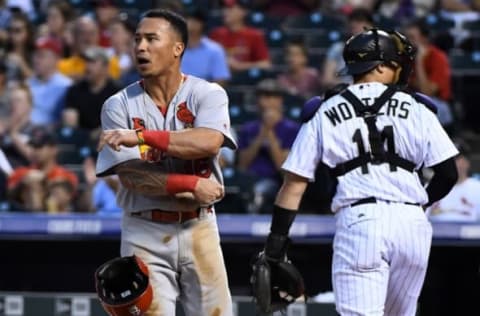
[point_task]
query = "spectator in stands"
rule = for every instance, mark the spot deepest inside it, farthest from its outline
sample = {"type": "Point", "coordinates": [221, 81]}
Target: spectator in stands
{"type": "Point", "coordinates": [3, 91]}
{"type": "Point", "coordinates": [404, 10]}
{"type": "Point", "coordinates": [19, 47]}
{"type": "Point", "coordinates": [88, 95]}
{"type": "Point", "coordinates": [48, 85]}
{"type": "Point", "coordinates": [299, 79]}
{"type": "Point", "coordinates": [15, 129]}
{"type": "Point", "coordinates": [358, 20]}
{"type": "Point", "coordinates": [264, 143]}
{"type": "Point", "coordinates": [59, 14]}
{"type": "Point", "coordinates": [213, 61]}
{"type": "Point", "coordinates": [106, 11]}
{"type": "Point", "coordinates": [463, 201]}
{"type": "Point", "coordinates": [432, 69]}
{"type": "Point", "coordinates": [431, 74]}
{"type": "Point", "coordinates": [85, 35]}
{"type": "Point", "coordinates": [246, 46]}
{"type": "Point", "coordinates": [29, 187]}
{"type": "Point", "coordinates": [99, 195]}
{"type": "Point", "coordinates": [461, 11]}
{"type": "Point", "coordinates": [122, 29]}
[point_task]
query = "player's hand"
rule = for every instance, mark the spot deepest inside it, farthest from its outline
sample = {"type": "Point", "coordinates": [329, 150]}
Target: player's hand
{"type": "Point", "coordinates": [116, 138]}
{"type": "Point", "coordinates": [208, 191]}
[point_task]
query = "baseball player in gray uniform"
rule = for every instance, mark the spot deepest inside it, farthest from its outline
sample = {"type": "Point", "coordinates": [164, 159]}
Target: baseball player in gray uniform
{"type": "Point", "coordinates": [375, 136]}
{"type": "Point", "coordinates": [162, 136]}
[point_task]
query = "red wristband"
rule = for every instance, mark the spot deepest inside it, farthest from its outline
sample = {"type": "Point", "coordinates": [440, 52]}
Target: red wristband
{"type": "Point", "coordinates": [157, 139]}
{"type": "Point", "coordinates": [177, 183]}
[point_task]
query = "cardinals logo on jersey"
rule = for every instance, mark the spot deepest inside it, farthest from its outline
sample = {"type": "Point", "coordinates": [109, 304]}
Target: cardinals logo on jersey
{"type": "Point", "coordinates": [185, 115]}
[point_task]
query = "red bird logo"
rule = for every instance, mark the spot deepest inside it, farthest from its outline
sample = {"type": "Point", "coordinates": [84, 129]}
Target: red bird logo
{"type": "Point", "coordinates": [185, 115]}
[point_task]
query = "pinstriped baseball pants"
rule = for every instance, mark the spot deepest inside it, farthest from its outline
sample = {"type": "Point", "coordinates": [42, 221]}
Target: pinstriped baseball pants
{"type": "Point", "coordinates": [380, 259]}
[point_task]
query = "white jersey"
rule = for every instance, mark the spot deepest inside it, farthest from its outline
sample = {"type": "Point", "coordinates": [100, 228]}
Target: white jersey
{"type": "Point", "coordinates": [335, 135]}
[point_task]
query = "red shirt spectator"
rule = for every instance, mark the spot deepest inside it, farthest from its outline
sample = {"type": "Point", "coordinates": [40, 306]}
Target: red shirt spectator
{"type": "Point", "coordinates": [245, 46]}
{"type": "Point", "coordinates": [431, 72]}
{"type": "Point", "coordinates": [437, 68]}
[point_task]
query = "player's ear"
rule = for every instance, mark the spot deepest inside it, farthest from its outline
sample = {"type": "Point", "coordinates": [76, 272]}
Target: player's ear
{"type": "Point", "coordinates": [178, 49]}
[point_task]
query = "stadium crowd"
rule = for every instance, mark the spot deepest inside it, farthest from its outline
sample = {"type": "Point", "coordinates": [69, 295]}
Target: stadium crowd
{"type": "Point", "coordinates": [60, 60]}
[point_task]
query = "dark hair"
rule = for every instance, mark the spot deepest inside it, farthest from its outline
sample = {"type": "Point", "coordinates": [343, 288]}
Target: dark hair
{"type": "Point", "coordinates": [361, 15]}
{"type": "Point", "coordinates": [30, 41]}
{"type": "Point", "coordinates": [126, 21]}
{"type": "Point", "coordinates": [64, 7]}
{"type": "Point", "coordinates": [298, 42]}
{"type": "Point", "coordinates": [178, 22]}
{"type": "Point", "coordinates": [421, 25]}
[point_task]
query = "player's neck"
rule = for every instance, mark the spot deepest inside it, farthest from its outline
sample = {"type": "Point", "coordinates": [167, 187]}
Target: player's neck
{"type": "Point", "coordinates": [163, 89]}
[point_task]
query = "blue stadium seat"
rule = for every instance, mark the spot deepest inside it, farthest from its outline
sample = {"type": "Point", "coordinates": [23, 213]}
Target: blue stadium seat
{"type": "Point", "coordinates": [472, 25]}
{"type": "Point", "coordinates": [437, 23]}
{"type": "Point", "coordinates": [315, 21]}
{"type": "Point", "coordinates": [465, 63]}
{"type": "Point", "coordinates": [275, 38]}
{"type": "Point", "coordinates": [323, 40]}
{"type": "Point", "coordinates": [263, 21]}
{"type": "Point", "coordinates": [384, 22]}
{"type": "Point", "coordinates": [239, 114]}
{"type": "Point", "coordinates": [250, 76]}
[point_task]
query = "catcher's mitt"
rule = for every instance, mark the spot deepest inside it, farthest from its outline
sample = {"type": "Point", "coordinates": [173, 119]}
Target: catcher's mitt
{"type": "Point", "coordinates": [276, 283]}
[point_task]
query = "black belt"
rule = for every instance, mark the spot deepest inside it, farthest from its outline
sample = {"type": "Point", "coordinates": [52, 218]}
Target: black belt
{"type": "Point", "coordinates": [371, 199]}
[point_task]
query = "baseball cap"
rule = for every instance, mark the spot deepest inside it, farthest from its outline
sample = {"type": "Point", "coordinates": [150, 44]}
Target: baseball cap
{"type": "Point", "coordinates": [49, 43]}
{"type": "Point", "coordinates": [269, 86]}
{"type": "Point", "coordinates": [41, 136]}
{"type": "Point", "coordinates": [96, 53]}
{"type": "Point", "coordinates": [241, 3]}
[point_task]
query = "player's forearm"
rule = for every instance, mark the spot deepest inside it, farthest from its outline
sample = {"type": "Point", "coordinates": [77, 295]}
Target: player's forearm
{"type": "Point", "coordinates": [186, 144]}
{"type": "Point", "coordinates": [290, 194]}
{"type": "Point", "coordinates": [150, 180]}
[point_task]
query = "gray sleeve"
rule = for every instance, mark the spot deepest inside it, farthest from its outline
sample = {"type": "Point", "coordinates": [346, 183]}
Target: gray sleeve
{"type": "Point", "coordinates": [213, 113]}
{"type": "Point", "coordinates": [114, 116]}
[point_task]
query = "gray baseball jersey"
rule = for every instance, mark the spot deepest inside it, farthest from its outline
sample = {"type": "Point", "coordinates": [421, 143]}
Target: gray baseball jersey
{"type": "Point", "coordinates": [197, 103]}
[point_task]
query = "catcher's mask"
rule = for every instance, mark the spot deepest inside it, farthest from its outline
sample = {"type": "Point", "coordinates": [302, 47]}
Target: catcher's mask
{"type": "Point", "coordinates": [123, 286]}
{"type": "Point", "coordinates": [367, 50]}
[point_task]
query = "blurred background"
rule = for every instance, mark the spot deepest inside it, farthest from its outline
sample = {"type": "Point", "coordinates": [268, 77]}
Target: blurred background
{"type": "Point", "coordinates": [60, 60]}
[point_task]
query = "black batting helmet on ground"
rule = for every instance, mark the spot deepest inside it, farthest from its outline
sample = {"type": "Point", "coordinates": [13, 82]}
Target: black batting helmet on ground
{"type": "Point", "coordinates": [123, 286]}
{"type": "Point", "coordinates": [366, 50]}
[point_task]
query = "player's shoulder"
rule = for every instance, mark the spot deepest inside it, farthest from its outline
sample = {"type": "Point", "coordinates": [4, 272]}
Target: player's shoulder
{"type": "Point", "coordinates": [422, 99]}
{"type": "Point", "coordinates": [121, 98]}
{"type": "Point", "coordinates": [200, 87]}
{"type": "Point", "coordinates": [312, 106]}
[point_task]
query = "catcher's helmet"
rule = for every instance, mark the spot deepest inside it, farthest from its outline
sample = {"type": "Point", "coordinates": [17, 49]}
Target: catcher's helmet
{"type": "Point", "coordinates": [123, 286]}
{"type": "Point", "coordinates": [366, 50]}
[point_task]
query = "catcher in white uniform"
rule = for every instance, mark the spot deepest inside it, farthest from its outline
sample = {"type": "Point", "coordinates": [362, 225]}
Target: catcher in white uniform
{"type": "Point", "coordinates": [375, 137]}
